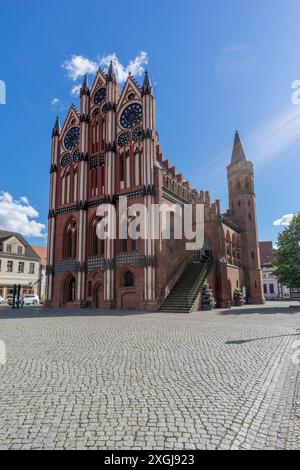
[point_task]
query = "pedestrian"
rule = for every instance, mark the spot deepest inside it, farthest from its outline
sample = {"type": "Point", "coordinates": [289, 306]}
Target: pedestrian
{"type": "Point", "coordinates": [22, 302]}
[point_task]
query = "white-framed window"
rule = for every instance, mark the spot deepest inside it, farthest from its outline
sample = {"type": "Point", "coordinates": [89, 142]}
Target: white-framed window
{"type": "Point", "coordinates": [10, 265]}
{"type": "Point", "coordinates": [21, 267]}
{"type": "Point", "coordinates": [31, 268]}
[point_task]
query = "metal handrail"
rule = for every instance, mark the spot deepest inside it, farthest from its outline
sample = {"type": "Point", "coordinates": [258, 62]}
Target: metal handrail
{"type": "Point", "coordinates": [196, 286]}
{"type": "Point", "coordinates": [174, 277]}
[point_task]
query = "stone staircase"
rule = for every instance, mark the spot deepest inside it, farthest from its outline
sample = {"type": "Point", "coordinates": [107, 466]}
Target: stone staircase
{"type": "Point", "coordinates": [184, 294]}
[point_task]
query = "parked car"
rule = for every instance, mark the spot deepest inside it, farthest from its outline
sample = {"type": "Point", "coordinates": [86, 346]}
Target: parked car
{"type": "Point", "coordinates": [1, 300]}
{"type": "Point", "coordinates": [30, 299]}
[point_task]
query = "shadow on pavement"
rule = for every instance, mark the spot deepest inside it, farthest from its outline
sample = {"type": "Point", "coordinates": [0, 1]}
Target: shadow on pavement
{"type": "Point", "coordinates": [261, 310]}
{"type": "Point", "coordinates": [242, 341]}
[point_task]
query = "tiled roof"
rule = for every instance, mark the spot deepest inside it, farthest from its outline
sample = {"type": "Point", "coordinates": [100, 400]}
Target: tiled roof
{"type": "Point", "coordinates": [42, 252]}
{"type": "Point", "coordinates": [29, 252]}
{"type": "Point", "coordinates": [266, 251]}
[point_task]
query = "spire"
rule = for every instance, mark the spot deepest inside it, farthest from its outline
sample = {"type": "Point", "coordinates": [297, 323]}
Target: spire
{"type": "Point", "coordinates": [56, 128]}
{"type": "Point", "coordinates": [85, 87]}
{"type": "Point", "coordinates": [238, 153]}
{"type": "Point", "coordinates": [110, 73]}
{"type": "Point", "coordinates": [147, 87]}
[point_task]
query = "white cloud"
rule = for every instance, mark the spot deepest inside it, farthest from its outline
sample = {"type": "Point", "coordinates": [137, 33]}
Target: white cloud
{"type": "Point", "coordinates": [75, 90]}
{"type": "Point", "coordinates": [17, 215]}
{"type": "Point", "coordinates": [77, 66]}
{"type": "Point", "coordinates": [58, 105]}
{"type": "Point", "coordinates": [284, 220]}
{"type": "Point", "coordinates": [135, 66]}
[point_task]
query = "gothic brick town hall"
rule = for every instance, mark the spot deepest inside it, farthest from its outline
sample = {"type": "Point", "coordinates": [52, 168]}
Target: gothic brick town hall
{"type": "Point", "coordinates": [108, 151]}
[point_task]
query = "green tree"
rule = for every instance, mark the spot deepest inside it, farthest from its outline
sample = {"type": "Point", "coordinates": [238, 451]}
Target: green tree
{"type": "Point", "coordinates": [286, 258]}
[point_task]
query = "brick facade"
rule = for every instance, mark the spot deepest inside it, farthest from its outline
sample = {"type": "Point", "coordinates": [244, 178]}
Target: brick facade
{"type": "Point", "coordinates": [110, 150]}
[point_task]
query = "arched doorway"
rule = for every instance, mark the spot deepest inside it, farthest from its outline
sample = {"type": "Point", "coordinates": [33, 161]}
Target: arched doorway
{"type": "Point", "coordinates": [69, 290]}
{"type": "Point", "coordinates": [98, 296]}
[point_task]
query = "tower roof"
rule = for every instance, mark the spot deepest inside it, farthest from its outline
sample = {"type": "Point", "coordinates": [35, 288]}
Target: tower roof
{"type": "Point", "coordinates": [147, 87]}
{"type": "Point", "coordinates": [85, 82]}
{"type": "Point", "coordinates": [85, 87]}
{"type": "Point", "coordinates": [111, 72]}
{"type": "Point", "coordinates": [56, 128]}
{"type": "Point", "coordinates": [238, 153]}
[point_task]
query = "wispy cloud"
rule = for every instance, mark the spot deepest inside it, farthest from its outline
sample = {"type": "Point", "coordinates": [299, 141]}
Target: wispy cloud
{"type": "Point", "coordinates": [275, 137]}
{"type": "Point", "coordinates": [77, 66]}
{"type": "Point", "coordinates": [17, 215]}
{"type": "Point", "coordinates": [235, 61]}
{"type": "Point", "coordinates": [75, 90]}
{"type": "Point", "coordinates": [28, 103]}
{"type": "Point", "coordinates": [284, 220]}
{"type": "Point", "coordinates": [58, 105]}
{"type": "Point", "coordinates": [265, 144]}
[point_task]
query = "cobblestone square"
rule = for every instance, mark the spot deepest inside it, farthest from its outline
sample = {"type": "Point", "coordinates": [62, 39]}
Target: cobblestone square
{"type": "Point", "coordinates": [88, 379]}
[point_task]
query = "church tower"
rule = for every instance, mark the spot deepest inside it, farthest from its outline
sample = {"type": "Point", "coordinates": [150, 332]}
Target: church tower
{"type": "Point", "coordinates": [243, 213]}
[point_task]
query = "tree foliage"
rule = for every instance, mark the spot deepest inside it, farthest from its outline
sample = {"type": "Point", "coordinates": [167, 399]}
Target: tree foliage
{"type": "Point", "coordinates": [286, 258]}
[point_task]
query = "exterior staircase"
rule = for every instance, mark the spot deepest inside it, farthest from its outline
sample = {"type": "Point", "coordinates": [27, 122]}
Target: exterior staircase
{"type": "Point", "coordinates": [185, 293]}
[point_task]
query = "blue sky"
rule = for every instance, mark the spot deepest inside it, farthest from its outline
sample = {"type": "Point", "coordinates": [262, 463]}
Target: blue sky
{"type": "Point", "coordinates": [217, 65]}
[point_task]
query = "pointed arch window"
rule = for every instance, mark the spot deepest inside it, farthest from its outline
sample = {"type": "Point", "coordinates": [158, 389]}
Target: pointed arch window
{"type": "Point", "coordinates": [128, 279]}
{"type": "Point", "coordinates": [71, 290]}
{"type": "Point", "coordinates": [71, 240]}
{"type": "Point", "coordinates": [122, 167]}
{"type": "Point", "coordinates": [96, 244]}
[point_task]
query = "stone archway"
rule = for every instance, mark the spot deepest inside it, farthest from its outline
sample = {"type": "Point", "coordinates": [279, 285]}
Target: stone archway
{"type": "Point", "coordinates": [98, 295]}
{"type": "Point", "coordinates": [68, 293]}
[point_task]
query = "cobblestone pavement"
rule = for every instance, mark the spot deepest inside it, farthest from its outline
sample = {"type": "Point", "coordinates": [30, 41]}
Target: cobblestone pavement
{"type": "Point", "coordinates": [209, 380]}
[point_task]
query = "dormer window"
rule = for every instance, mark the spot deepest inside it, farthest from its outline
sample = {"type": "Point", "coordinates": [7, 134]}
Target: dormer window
{"type": "Point", "coordinates": [20, 250]}
{"type": "Point", "coordinates": [8, 248]}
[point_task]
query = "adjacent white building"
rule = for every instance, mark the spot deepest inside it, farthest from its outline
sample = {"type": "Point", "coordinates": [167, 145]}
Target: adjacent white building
{"type": "Point", "coordinates": [19, 264]}
{"type": "Point", "coordinates": [273, 290]}
{"type": "Point", "coordinates": [42, 252]}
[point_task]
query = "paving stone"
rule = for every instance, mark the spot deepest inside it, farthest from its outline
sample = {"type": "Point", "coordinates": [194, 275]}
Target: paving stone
{"type": "Point", "coordinates": [106, 380]}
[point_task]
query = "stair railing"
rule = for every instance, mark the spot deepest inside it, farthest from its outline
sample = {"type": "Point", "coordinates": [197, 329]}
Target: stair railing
{"type": "Point", "coordinates": [197, 284]}
{"type": "Point", "coordinates": [173, 278]}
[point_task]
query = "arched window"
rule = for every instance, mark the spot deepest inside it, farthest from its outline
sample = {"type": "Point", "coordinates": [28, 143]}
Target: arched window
{"type": "Point", "coordinates": [233, 246]}
{"type": "Point", "coordinates": [96, 244]}
{"type": "Point", "coordinates": [71, 240]}
{"type": "Point", "coordinates": [125, 244]}
{"type": "Point", "coordinates": [122, 167]}
{"type": "Point", "coordinates": [71, 289]}
{"type": "Point", "coordinates": [135, 244]}
{"type": "Point", "coordinates": [228, 244]}
{"type": "Point", "coordinates": [128, 279]}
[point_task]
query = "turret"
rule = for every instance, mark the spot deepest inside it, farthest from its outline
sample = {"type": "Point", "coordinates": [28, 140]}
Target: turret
{"type": "Point", "coordinates": [147, 87]}
{"type": "Point", "coordinates": [242, 212]}
{"type": "Point", "coordinates": [56, 128]}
